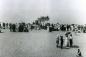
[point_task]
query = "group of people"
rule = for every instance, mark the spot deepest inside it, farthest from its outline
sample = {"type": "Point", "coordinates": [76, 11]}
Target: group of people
{"type": "Point", "coordinates": [68, 27]}
{"type": "Point", "coordinates": [21, 27]}
{"type": "Point", "coordinates": [64, 41]}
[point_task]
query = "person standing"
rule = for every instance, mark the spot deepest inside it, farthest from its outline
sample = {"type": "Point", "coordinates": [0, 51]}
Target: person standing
{"type": "Point", "coordinates": [57, 40]}
{"type": "Point", "coordinates": [10, 27]}
{"type": "Point", "coordinates": [71, 40]}
{"type": "Point", "coordinates": [14, 28]}
{"type": "Point", "coordinates": [61, 41]}
{"type": "Point", "coordinates": [66, 41]}
{"type": "Point", "coordinates": [0, 27]}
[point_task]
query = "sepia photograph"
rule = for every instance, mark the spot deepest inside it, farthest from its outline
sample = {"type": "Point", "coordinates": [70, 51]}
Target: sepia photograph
{"type": "Point", "coordinates": [42, 28]}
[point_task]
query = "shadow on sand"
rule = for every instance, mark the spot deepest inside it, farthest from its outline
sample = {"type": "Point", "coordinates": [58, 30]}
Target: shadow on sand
{"type": "Point", "coordinates": [74, 46]}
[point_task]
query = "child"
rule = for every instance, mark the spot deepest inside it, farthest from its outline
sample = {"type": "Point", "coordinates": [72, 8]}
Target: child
{"type": "Point", "coordinates": [79, 53]}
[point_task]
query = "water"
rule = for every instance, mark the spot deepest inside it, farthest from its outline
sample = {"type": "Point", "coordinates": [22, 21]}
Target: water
{"type": "Point", "coordinates": [36, 44]}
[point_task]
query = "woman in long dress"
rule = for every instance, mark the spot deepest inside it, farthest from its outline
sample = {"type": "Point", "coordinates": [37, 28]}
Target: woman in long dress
{"type": "Point", "coordinates": [65, 42]}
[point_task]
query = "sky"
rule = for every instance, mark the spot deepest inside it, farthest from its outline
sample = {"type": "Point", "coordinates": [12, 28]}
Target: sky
{"type": "Point", "coordinates": [62, 11]}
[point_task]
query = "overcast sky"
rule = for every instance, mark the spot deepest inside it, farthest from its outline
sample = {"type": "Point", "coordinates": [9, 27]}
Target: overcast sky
{"type": "Point", "coordinates": [62, 11]}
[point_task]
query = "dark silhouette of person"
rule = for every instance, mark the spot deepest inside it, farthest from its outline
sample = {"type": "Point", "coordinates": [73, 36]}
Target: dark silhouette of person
{"type": "Point", "coordinates": [61, 41]}
{"type": "Point", "coordinates": [14, 28]}
{"type": "Point", "coordinates": [71, 41]}
{"type": "Point", "coordinates": [3, 25]}
{"type": "Point", "coordinates": [10, 27]}
{"type": "Point", "coordinates": [21, 27]}
{"type": "Point", "coordinates": [57, 40]}
{"type": "Point", "coordinates": [79, 53]}
{"type": "Point", "coordinates": [0, 27]}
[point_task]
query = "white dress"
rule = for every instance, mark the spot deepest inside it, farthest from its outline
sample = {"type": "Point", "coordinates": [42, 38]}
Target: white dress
{"type": "Point", "coordinates": [65, 41]}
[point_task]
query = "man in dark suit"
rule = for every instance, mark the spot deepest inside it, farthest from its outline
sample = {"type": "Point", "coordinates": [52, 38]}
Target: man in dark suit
{"type": "Point", "coordinates": [61, 39]}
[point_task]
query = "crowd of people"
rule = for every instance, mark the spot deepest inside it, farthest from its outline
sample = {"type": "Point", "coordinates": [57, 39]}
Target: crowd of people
{"type": "Point", "coordinates": [62, 41]}
{"type": "Point", "coordinates": [25, 27]}
{"type": "Point", "coordinates": [68, 27]}
{"type": "Point", "coordinates": [21, 27]}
